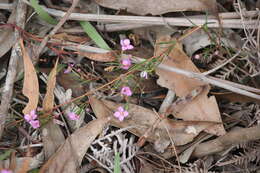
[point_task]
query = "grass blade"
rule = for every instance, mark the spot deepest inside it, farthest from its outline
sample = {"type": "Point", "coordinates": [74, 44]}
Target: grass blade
{"type": "Point", "coordinates": [117, 163]}
{"type": "Point", "coordinates": [43, 14]}
{"type": "Point", "coordinates": [94, 35]}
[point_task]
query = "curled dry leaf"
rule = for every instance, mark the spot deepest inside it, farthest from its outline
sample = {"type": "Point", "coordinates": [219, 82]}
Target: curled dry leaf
{"type": "Point", "coordinates": [30, 83]}
{"type": "Point", "coordinates": [52, 135]}
{"type": "Point", "coordinates": [203, 108]}
{"type": "Point", "coordinates": [101, 57]}
{"type": "Point", "coordinates": [144, 118]}
{"type": "Point", "coordinates": [69, 156]}
{"type": "Point", "coordinates": [48, 100]}
{"type": "Point", "coordinates": [156, 7]}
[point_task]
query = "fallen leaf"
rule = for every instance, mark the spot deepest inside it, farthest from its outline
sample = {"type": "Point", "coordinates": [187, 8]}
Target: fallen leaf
{"type": "Point", "coordinates": [100, 57]}
{"type": "Point", "coordinates": [48, 100]}
{"type": "Point", "coordinates": [52, 135]}
{"type": "Point", "coordinates": [69, 156]}
{"type": "Point", "coordinates": [203, 108]}
{"type": "Point", "coordinates": [73, 38]}
{"type": "Point", "coordinates": [144, 118]}
{"type": "Point", "coordinates": [30, 83]}
{"type": "Point", "coordinates": [154, 7]}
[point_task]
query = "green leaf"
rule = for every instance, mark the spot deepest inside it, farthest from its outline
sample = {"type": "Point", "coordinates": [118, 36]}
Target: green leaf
{"type": "Point", "coordinates": [42, 14]}
{"type": "Point", "coordinates": [117, 163]}
{"type": "Point", "coordinates": [5, 155]}
{"type": "Point", "coordinates": [94, 35]}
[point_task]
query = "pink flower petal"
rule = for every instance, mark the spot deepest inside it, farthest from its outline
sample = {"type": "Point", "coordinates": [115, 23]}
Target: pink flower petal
{"type": "Point", "coordinates": [6, 171]}
{"type": "Point", "coordinates": [121, 118]}
{"type": "Point", "coordinates": [35, 124]}
{"type": "Point", "coordinates": [125, 114]}
{"type": "Point", "coordinates": [117, 114]}
{"type": "Point", "coordinates": [73, 116]}
{"type": "Point", "coordinates": [120, 109]}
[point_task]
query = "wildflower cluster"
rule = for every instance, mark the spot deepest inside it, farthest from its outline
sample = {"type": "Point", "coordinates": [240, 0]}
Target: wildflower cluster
{"type": "Point", "coordinates": [31, 118]}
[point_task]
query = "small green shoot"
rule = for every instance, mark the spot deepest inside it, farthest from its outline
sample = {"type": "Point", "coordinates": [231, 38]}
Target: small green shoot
{"type": "Point", "coordinates": [117, 168]}
{"type": "Point", "coordinates": [94, 35]}
{"type": "Point", "coordinates": [43, 14]}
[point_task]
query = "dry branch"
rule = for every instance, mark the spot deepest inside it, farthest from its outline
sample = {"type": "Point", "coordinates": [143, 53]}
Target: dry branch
{"type": "Point", "coordinates": [234, 137]}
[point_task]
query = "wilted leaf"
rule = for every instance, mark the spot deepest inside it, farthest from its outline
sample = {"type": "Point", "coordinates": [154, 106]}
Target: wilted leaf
{"type": "Point", "coordinates": [156, 7]}
{"type": "Point", "coordinates": [73, 38]}
{"type": "Point", "coordinates": [69, 156]}
{"type": "Point", "coordinates": [30, 83]}
{"type": "Point", "coordinates": [52, 135]}
{"type": "Point", "coordinates": [101, 57]}
{"type": "Point", "coordinates": [200, 109]}
{"type": "Point", "coordinates": [144, 119]}
{"type": "Point", "coordinates": [48, 100]}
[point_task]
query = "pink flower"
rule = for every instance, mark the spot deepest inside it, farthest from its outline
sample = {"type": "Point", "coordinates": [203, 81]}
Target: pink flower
{"type": "Point", "coordinates": [120, 114]}
{"type": "Point", "coordinates": [73, 116]}
{"type": "Point", "coordinates": [126, 45]}
{"type": "Point", "coordinates": [126, 63]}
{"type": "Point", "coordinates": [144, 74]}
{"type": "Point", "coordinates": [126, 91]}
{"type": "Point", "coordinates": [31, 116]}
{"type": "Point", "coordinates": [197, 56]}
{"type": "Point", "coordinates": [69, 69]}
{"type": "Point", "coordinates": [35, 124]}
{"type": "Point", "coordinates": [6, 171]}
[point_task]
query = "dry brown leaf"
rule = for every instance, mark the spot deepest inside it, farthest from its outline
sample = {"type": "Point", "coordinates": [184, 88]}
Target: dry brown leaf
{"type": "Point", "coordinates": [30, 83]}
{"type": "Point", "coordinates": [156, 7]}
{"type": "Point", "coordinates": [180, 131]}
{"type": "Point", "coordinates": [73, 38]}
{"type": "Point", "coordinates": [203, 108]}
{"type": "Point", "coordinates": [48, 100]}
{"type": "Point", "coordinates": [100, 57]}
{"type": "Point", "coordinates": [69, 156]}
{"type": "Point", "coordinates": [52, 135]}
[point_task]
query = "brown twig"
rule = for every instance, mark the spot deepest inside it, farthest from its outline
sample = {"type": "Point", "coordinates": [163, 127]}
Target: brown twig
{"type": "Point", "coordinates": [12, 70]}
{"type": "Point", "coordinates": [234, 137]}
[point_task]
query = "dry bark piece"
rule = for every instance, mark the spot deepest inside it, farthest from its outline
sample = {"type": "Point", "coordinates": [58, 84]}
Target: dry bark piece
{"type": "Point", "coordinates": [180, 131]}
{"type": "Point", "coordinates": [154, 7]}
{"type": "Point", "coordinates": [69, 156]}
{"type": "Point", "coordinates": [30, 84]}
{"type": "Point", "coordinates": [200, 109]}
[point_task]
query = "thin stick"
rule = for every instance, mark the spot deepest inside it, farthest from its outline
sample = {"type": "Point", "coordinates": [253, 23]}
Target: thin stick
{"type": "Point", "coordinates": [178, 21]}
{"type": "Point", "coordinates": [12, 69]}
{"type": "Point", "coordinates": [230, 139]}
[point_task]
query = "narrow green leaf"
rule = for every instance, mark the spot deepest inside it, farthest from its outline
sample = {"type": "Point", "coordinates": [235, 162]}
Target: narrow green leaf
{"type": "Point", "coordinates": [94, 35]}
{"type": "Point", "coordinates": [5, 155]}
{"type": "Point", "coordinates": [117, 163]}
{"type": "Point", "coordinates": [42, 14]}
